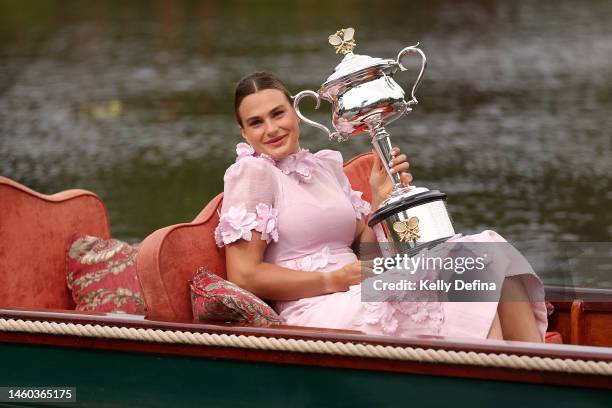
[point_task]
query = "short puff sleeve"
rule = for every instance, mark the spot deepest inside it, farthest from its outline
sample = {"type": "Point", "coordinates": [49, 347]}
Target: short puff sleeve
{"type": "Point", "coordinates": [333, 160]}
{"type": "Point", "coordinates": [250, 187]}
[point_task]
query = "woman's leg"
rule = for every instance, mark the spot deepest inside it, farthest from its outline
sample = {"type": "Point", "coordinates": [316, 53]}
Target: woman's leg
{"type": "Point", "coordinates": [515, 314]}
{"type": "Point", "coordinates": [496, 332]}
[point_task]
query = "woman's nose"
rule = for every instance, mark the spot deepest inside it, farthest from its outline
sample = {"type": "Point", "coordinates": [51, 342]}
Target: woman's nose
{"type": "Point", "coordinates": [271, 127]}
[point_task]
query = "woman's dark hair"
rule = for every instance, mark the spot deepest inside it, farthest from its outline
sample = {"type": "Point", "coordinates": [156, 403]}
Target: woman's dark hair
{"type": "Point", "coordinates": [256, 82]}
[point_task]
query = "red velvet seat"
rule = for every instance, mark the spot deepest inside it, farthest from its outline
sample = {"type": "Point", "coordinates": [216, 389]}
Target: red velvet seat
{"type": "Point", "coordinates": [34, 231]}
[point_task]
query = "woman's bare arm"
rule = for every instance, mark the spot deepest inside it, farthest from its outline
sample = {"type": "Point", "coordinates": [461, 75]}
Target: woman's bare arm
{"type": "Point", "coordinates": [364, 234]}
{"type": "Point", "coordinates": [246, 268]}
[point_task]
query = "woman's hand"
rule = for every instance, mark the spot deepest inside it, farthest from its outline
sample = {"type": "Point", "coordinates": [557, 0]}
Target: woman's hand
{"type": "Point", "coordinates": [380, 183]}
{"type": "Point", "coordinates": [342, 279]}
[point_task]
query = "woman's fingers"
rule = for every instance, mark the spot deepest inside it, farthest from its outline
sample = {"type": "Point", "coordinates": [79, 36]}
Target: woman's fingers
{"type": "Point", "coordinates": [367, 269]}
{"type": "Point", "coordinates": [406, 178]}
{"type": "Point", "coordinates": [398, 160]}
{"type": "Point", "coordinates": [400, 168]}
{"type": "Point", "coordinates": [398, 164]}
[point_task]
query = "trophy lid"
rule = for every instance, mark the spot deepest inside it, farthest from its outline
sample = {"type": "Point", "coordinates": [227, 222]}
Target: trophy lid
{"type": "Point", "coordinates": [353, 67]}
{"type": "Point", "coordinates": [353, 63]}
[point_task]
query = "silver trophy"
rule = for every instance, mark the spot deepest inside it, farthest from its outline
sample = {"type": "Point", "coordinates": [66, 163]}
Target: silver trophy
{"type": "Point", "coordinates": [365, 99]}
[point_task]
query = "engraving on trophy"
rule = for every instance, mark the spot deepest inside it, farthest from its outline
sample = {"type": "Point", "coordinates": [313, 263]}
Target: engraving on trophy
{"type": "Point", "coordinates": [407, 230]}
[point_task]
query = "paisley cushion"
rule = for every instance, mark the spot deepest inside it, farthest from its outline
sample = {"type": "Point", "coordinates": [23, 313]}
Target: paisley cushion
{"type": "Point", "coordinates": [215, 299]}
{"type": "Point", "coordinates": [101, 273]}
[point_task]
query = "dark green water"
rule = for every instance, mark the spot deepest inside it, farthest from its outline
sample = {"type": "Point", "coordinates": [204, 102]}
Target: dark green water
{"type": "Point", "coordinates": [133, 100]}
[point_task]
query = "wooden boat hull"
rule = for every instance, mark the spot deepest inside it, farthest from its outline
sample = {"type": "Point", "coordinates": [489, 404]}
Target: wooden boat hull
{"type": "Point", "coordinates": [133, 379]}
{"type": "Point", "coordinates": [156, 372]}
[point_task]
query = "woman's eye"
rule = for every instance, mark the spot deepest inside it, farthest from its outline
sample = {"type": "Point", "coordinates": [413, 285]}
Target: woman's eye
{"type": "Point", "coordinates": [255, 123]}
{"type": "Point", "coordinates": [278, 114]}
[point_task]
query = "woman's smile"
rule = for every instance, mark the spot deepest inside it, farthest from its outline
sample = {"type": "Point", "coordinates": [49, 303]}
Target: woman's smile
{"type": "Point", "coordinates": [277, 141]}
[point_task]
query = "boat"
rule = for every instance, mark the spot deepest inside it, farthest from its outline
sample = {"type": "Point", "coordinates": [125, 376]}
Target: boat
{"type": "Point", "coordinates": [165, 358]}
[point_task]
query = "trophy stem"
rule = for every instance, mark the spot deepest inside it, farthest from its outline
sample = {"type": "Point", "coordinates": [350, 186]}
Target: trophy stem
{"type": "Point", "coordinates": [382, 145]}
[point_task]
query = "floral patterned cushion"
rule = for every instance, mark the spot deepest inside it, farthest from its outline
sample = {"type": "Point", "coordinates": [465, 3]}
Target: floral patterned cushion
{"type": "Point", "coordinates": [215, 299]}
{"type": "Point", "coordinates": [101, 273]}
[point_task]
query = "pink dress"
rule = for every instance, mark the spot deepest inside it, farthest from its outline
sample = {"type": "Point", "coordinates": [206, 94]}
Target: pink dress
{"type": "Point", "coordinates": [305, 209]}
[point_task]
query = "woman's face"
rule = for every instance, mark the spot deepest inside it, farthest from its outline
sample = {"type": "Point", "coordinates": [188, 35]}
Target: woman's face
{"type": "Point", "coordinates": [269, 123]}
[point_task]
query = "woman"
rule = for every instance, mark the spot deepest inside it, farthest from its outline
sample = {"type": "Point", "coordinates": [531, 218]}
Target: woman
{"type": "Point", "coordinates": [289, 220]}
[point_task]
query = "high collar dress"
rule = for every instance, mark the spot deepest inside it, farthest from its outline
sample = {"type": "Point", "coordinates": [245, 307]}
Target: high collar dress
{"type": "Point", "coordinates": [305, 209]}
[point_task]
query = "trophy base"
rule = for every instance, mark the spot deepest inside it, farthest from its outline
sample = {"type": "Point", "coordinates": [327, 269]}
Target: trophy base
{"type": "Point", "coordinates": [413, 217]}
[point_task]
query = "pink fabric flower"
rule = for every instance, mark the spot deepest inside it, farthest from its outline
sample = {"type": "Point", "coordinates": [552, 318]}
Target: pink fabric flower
{"type": "Point", "coordinates": [360, 206]}
{"type": "Point", "coordinates": [313, 262]}
{"type": "Point", "coordinates": [406, 308]}
{"type": "Point", "coordinates": [299, 165]}
{"type": "Point", "coordinates": [236, 224]}
{"type": "Point", "coordinates": [435, 311]}
{"type": "Point", "coordinates": [420, 315]}
{"type": "Point", "coordinates": [267, 158]}
{"type": "Point", "coordinates": [243, 150]}
{"type": "Point", "coordinates": [382, 314]}
{"type": "Point", "coordinates": [387, 315]}
{"type": "Point", "coordinates": [267, 218]}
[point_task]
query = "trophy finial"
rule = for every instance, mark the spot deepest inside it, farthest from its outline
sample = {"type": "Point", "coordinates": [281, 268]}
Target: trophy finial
{"type": "Point", "coordinates": [343, 40]}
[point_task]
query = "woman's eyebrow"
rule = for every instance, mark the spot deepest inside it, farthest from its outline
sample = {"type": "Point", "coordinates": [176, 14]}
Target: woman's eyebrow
{"type": "Point", "coordinates": [271, 110]}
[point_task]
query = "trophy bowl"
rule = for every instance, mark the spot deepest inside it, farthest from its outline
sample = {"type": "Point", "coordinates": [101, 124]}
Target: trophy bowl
{"type": "Point", "coordinates": [365, 98]}
{"type": "Point", "coordinates": [362, 90]}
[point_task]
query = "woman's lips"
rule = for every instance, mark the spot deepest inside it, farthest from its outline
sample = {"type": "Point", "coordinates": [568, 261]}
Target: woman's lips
{"type": "Point", "coordinates": [276, 140]}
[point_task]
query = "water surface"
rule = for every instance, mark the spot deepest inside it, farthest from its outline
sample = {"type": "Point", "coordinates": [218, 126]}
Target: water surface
{"type": "Point", "coordinates": [133, 100]}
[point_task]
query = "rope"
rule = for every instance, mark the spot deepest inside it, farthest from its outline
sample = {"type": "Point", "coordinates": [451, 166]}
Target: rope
{"type": "Point", "coordinates": [417, 354]}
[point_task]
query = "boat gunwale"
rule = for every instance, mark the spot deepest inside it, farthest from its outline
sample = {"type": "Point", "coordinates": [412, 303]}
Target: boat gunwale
{"type": "Point", "coordinates": [284, 357]}
{"type": "Point", "coordinates": [571, 351]}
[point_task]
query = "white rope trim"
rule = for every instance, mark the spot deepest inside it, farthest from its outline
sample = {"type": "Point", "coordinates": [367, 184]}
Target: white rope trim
{"type": "Point", "coordinates": [417, 354]}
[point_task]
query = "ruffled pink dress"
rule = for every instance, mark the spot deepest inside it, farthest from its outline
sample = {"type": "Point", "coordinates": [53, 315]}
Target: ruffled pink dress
{"type": "Point", "coordinates": [305, 209]}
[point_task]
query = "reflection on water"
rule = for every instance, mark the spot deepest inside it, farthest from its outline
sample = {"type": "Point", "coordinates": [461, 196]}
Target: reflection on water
{"type": "Point", "coordinates": [133, 100]}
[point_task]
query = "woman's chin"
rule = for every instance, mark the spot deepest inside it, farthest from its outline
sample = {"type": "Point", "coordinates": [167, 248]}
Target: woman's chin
{"type": "Point", "coordinates": [281, 152]}
{"type": "Point", "coordinates": [278, 154]}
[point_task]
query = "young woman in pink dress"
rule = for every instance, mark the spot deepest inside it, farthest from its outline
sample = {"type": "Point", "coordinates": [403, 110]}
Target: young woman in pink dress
{"type": "Point", "coordinates": [290, 218]}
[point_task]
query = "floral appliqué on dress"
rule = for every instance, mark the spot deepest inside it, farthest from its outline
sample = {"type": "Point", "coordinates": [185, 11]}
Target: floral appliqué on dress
{"type": "Point", "coordinates": [238, 223]}
{"type": "Point", "coordinates": [361, 207]}
{"type": "Point", "coordinates": [312, 262]}
{"type": "Point", "coordinates": [300, 166]}
{"type": "Point", "coordinates": [389, 309]}
{"type": "Point", "coordinates": [387, 315]}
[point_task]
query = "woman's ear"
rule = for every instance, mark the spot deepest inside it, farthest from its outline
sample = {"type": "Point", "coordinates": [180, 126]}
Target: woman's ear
{"type": "Point", "coordinates": [242, 132]}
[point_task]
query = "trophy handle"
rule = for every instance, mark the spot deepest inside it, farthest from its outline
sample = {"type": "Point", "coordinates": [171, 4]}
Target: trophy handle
{"type": "Point", "coordinates": [296, 101]}
{"type": "Point", "coordinates": [415, 50]}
